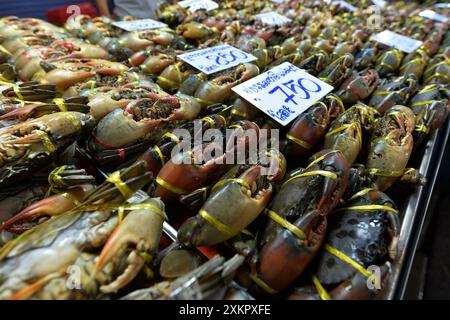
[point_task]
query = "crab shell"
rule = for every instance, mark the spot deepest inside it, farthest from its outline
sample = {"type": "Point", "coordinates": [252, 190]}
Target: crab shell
{"type": "Point", "coordinates": [367, 237]}
{"type": "Point", "coordinates": [391, 145]}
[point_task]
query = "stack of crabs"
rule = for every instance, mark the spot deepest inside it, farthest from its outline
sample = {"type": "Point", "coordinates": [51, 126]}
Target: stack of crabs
{"type": "Point", "coordinates": [91, 98]}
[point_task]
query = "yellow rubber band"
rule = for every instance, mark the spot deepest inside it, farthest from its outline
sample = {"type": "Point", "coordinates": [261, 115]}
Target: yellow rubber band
{"type": "Point", "coordinates": [301, 143]}
{"type": "Point", "coordinates": [414, 60]}
{"type": "Point", "coordinates": [145, 206]}
{"type": "Point", "coordinates": [322, 158]}
{"type": "Point", "coordinates": [438, 75]}
{"type": "Point", "coordinates": [115, 179]}
{"type": "Point", "coordinates": [210, 121]}
{"type": "Point", "coordinates": [168, 82]}
{"type": "Point", "coordinates": [299, 233]}
{"type": "Point", "coordinates": [3, 49]}
{"type": "Point", "coordinates": [423, 103]}
{"type": "Point", "coordinates": [54, 176]}
{"type": "Point", "coordinates": [369, 207]}
{"type": "Point", "coordinates": [323, 294]}
{"type": "Point", "coordinates": [345, 127]}
{"type": "Point", "coordinates": [324, 173]}
{"type": "Point", "coordinates": [422, 128]}
{"type": "Point", "coordinates": [17, 92]}
{"type": "Point", "coordinates": [428, 88]}
{"type": "Point", "coordinates": [204, 102]}
{"type": "Point", "coordinates": [342, 256]}
{"type": "Point", "coordinates": [48, 144]}
{"type": "Point", "coordinates": [242, 182]}
{"type": "Point", "coordinates": [60, 103]}
{"type": "Point", "coordinates": [171, 136]}
{"type": "Point", "coordinates": [160, 155]}
{"type": "Point", "coordinates": [170, 187]}
{"type": "Point", "coordinates": [262, 284]}
{"type": "Point", "coordinates": [385, 173]}
{"type": "Point", "coordinates": [361, 193]}
{"type": "Point", "coordinates": [70, 198]}
{"type": "Point", "coordinates": [223, 228]}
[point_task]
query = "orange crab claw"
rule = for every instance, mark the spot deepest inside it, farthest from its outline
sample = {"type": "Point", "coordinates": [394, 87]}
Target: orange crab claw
{"type": "Point", "coordinates": [51, 206]}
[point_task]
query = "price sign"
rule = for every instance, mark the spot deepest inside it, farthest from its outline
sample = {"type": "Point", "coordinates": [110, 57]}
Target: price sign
{"type": "Point", "coordinates": [136, 25]}
{"type": "Point", "coordinates": [397, 41]}
{"type": "Point", "coordinates": [283, 92]}
{"type": "Point", "coordinates": [430, 14]}
{"type": "Point", "coordinates": [195, 5]}
{"type": "Point", "coordinates": [442, 5]}
{"type": "Point", "coordinates": [273, 18]}
{"type": "Point", "coordinates": [346, 5]}
{"type": "Point", "coordinates": [279, 1]}
{"type": "Point", "coordinates": [380, 3]}
{"type": "Point", "coordinates": [216, 58]}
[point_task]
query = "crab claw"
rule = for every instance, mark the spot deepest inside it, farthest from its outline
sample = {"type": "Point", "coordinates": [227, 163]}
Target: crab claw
{"type": "Point", "coordinates": [284, 259]}
{"type": "Point", "coordinates": [63, 79]}
{"type": "Point", "coordinates": [230, 209]}
{"type": "Point", "coordinates": [21, 113]}
{"type": "Point", "coordinates": [140, 230]}
{"type": "Point", "coordinates": [51, 206]}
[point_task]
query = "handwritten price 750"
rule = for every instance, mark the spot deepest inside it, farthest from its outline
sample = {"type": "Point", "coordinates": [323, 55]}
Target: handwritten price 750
{"type": "Point", "coordinates": [298, 89]}
{"type": "Point", "coordinates": [225, 58]}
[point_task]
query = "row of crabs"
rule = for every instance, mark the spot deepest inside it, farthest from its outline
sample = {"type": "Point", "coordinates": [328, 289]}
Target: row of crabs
{"type": "Point", "coordinates": [297, 226]}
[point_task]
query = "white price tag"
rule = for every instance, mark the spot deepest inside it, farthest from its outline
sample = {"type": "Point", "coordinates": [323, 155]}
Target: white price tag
{"type": "Point", "coordinates": [273, 18]}
{"type": "Point", "coordinates": [442, 5]}
{"type": "Point", "coordinates": [380, 3]}
{"type": "Point", "coordinates": [430, 14]}
{"type": "Point", "coordinates": [279, 1]}
{"type": "Point", "coordinates": [346, 5]}
{"type": "Point", "coordinates": [195, 5]}
{"type": "Point", "coordinates": [136, 25]}
{"type": "Point", "coordinates": [216, 58]}
{"type": "Point", "coordinates": [283, 92]}
{"type": "Point", "coordinates": [397, 41]}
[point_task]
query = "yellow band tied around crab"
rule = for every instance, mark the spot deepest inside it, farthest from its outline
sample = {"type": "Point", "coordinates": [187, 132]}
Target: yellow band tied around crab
{"type": "Point", "coordinates": [54, 176]}
{"type": "Point", "coordinates": [301, 143]}
{"type": "Point", "coordinates": [337, 99]}
{"type": "Point", "coordinates": [48, 144]}
{"type": "Point", "coordinates": [115, 179]}
{"type": "Point", "coordinates": [423, 103]}
{"type": "Point", "coordinates": [3, 49]}
{"type": "Point", "coordinates": [385, 173]}
{"type": "Point", "coordinates": [239, 114]}
{"type": "Point", "coordinates": [438, 75]}
{"type": "Point", "coordinates": [204, 102]}
{"type": "Point", "coordinates": [321, 158]}
{"type": "Point", "coordinates": [60, 103]}
{"type": "Point", "coordinates": [422, 128]}
{"type": "Point", "coordinates": [369, 207]}
{"type": "Point", "coordinates": [262, 284]}
{"type": "Point", "coordinates": [160, 155]}
{"type": "Point", "coordinates": [210, 121]}
{"type": "Point", "coordinates": [169, 187]}
{"type": "Point", "coordinates": [145, 206]}
{"type": "Point", "coordinates": [167, 82]}
{"type": "Point", "coordinates": [361, 193]}
{"type": "Point", "coordinates": [223, 228]}
{"type": "Point", "coordinates": [323, 294]}
{"type": "Point", "coordinates": [17, 92]}
{"type": "Point", "coordinates": [324, 173]}
{"type": "Point", "coordinates": [242, 182]}
{"type": "Point", "coordinates": [418, 60]}
{"type": "Point", "coordinates": [428, 88]}
{"type": "Point", "coordinates": [344, 127]}
{"type": "Point", "coordinates": [299, 233]}
{"type": "Point", "coordinates": [171, 136]}
{"type": "Point", "coordinates": [343, 257]}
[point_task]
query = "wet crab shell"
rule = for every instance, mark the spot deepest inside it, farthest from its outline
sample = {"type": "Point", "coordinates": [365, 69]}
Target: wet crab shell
{"type": "Point", "coordinates": [367, 237]}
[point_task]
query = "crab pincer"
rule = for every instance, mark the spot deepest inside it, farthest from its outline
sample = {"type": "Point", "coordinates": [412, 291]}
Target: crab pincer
{"type": "Point", "coordinates": [229, 210]}
{"type": "Point", "coordinates": [139, 231]}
